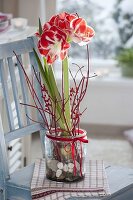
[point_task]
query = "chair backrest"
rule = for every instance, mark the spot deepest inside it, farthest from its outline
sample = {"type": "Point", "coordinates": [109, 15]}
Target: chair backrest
{"type": "Point", "coordinates": [12, 81]}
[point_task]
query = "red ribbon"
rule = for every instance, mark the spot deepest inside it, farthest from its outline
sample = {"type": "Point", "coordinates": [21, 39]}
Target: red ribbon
{"type": "Point", "coordinates": [72, 140]}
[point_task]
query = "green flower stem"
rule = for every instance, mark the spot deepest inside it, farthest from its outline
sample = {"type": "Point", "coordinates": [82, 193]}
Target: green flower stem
{"type": "Point", "coordinates": [66, 85]}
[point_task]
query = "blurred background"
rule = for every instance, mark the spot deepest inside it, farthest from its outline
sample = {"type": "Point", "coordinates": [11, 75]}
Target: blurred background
{"type": "Point", "coordinates": [109, 100]}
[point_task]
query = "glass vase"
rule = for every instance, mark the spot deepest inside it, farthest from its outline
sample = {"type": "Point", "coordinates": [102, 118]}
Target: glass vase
{"type": "Point", "coordinates": [65, 156]}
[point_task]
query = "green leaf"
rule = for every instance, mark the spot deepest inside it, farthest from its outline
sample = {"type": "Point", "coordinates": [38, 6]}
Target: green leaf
{"type": "Point", "coordinates": [45, 64]}
{"type": "Point", "coordinates": [44, 74]}
{"type": "Point", "coordinates": [40, 27]}
{"type": "Point", "coordinates": [56, 96]}
{"type": "Point", "coordinates": [50, 83]}
{"type": "Point", "coordinates": [41, 69]}
{"type": "Point", "coordinates": [53, 83]}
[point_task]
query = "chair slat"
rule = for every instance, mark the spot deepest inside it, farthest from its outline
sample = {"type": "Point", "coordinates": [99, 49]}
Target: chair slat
{"type": "Point", "coordinates": [38, 90]}
{"type": "Point", "coordinates": [3, 153]}
{"type": "Point", "coordinates": [15, 91]}
{"type": "Point", "coordinates": [37, 85]}
{"type": "Point", "coordinates": [20, 47]}
{"type": "Point", "coordinates": [23, 87]}
{"type": "Point", "coordinates": [22, 132]}
{"type": "Point", "coordinates": [6, 95]}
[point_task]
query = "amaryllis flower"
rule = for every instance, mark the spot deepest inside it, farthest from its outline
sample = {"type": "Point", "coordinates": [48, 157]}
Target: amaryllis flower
{"type": "Point", "coordinates": [59, 31]}
{"type": "Point", "coordinates": [82, 33]}
{"type": "Point", "coordinates": [53, 44]}
{"type": "Point", "coordinates": [63, 21]}
{"type": "Point", "coordinates": [74, 26]}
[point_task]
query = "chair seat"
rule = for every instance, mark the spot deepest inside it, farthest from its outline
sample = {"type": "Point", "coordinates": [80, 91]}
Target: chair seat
{"type": "Point", "coordinates": [19, 184]}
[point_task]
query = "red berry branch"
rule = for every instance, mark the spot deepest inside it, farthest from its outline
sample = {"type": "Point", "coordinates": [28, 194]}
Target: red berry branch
{"type": "Point", "coordinates": [45, 105]}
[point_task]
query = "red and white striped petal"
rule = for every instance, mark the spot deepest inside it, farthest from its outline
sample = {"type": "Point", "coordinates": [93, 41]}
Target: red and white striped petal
{"type": "Point", "coordinates": [57, 34]}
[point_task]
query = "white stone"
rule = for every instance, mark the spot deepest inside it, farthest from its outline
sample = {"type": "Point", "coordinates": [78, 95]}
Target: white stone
{"type": "Point", "coordinates": [65, 168]}
{"type": "Point", "coordinates": [52, 164]}
{"type": "Point", "coordinates": [58, 173]}
{"type": "Point", "coordinates": [70, 170]}
{"type": "Point", "coordinates": [60, 165]}
{"type": "Point", "coordinates": [71, 165]}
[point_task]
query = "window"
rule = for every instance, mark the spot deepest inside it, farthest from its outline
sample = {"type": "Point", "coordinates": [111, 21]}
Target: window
{"type": "Point", "coordinates": [98, 15]}
{"type": "Point", "coordinates": [109, 19]}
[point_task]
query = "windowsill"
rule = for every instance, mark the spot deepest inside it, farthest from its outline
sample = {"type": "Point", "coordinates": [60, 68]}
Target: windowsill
{"type": "Point", "coordinates": [103, 68]}
{"type": "Point", "coordinates": [106, 75]}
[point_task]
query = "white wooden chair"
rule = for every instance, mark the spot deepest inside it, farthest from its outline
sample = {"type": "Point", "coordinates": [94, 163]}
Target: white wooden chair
{"type": "Point", "coordinates": [16, 185]}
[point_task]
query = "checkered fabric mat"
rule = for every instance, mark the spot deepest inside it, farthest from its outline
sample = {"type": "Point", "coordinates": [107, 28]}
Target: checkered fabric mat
{"type": "Point", "coordinates": [94, 184]}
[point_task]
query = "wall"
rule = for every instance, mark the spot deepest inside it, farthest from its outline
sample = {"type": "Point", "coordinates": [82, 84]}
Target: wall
{"type": "Point", "coordinates": [109, 106]}
{"type": "Point", "coordinates": [109, 103]}
{"type": "Point", "coordinates": [51, 8]}
{"type": "Point", "coordinates": [30, 9]}
{"type": "Point", "coordinates": [11, 7]}
{"type": "Point", "coordinates": [33, 9]}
